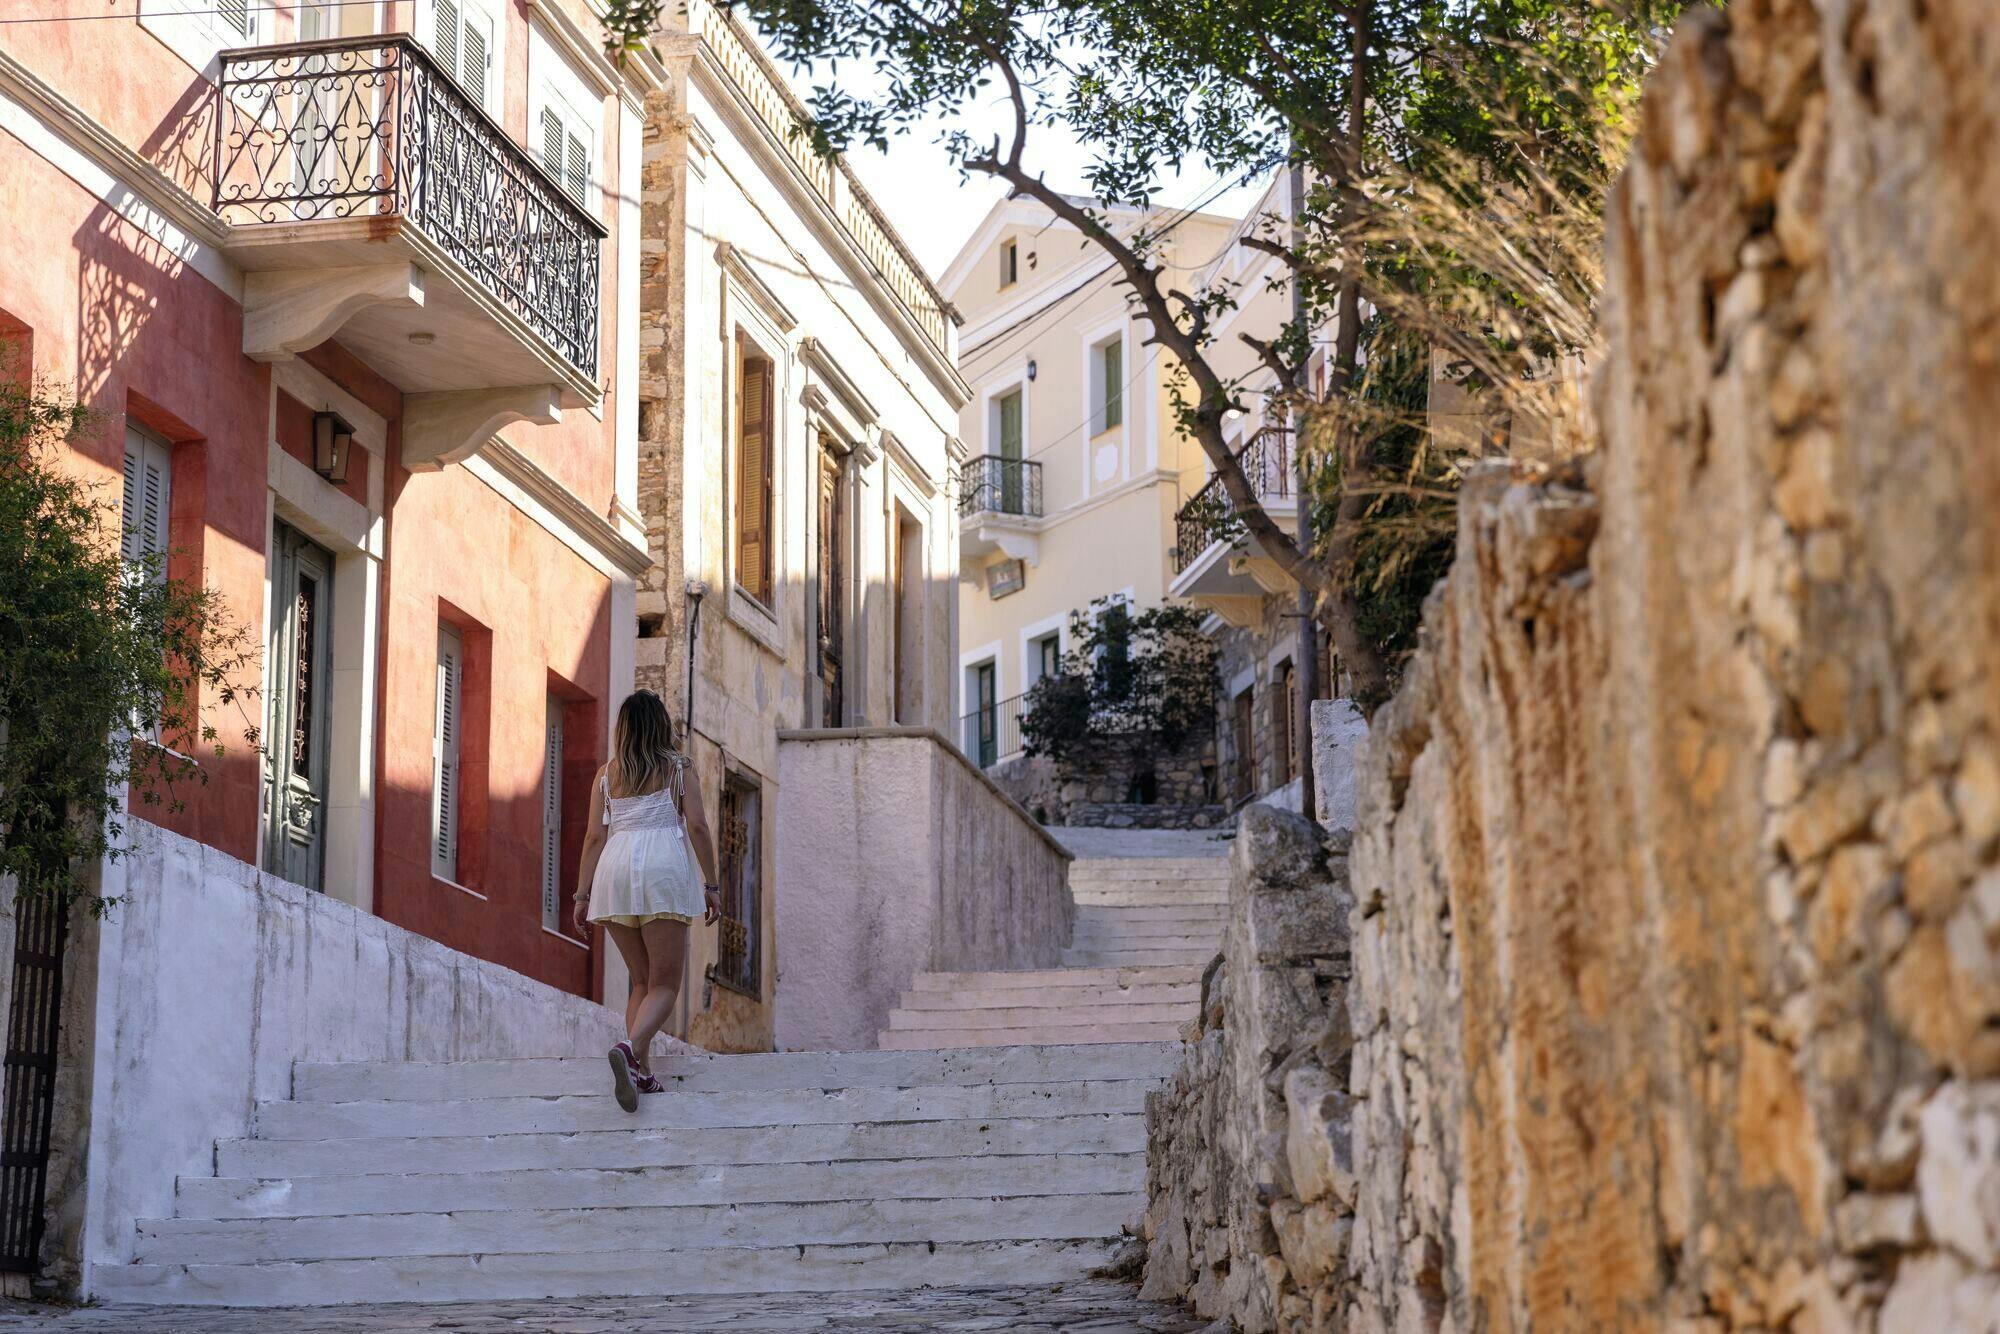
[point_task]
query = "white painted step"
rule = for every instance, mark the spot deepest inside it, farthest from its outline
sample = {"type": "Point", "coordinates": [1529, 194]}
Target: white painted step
{"type": "Point", "coordinates": [979, 998]}
{"type": "Point", "coordinates": [612, 1187]}
{"type": "Point", "coordinates": [1112, 943]}
{"type": "Point", "coordinates": [1195, 915]}
{"type": "Point", "coordinates": [692, 1227]}
{"type": "Point", "coordinates": [1104, 1132]}
{"type": "Point", "coordinates": [1145, 896]}
{"type": "Point", "coordinates": [700, 1072]}
{"type": "Point", "coordinates": [1082, 1035]}
{"type": "Point", "coordinates": [675, 1110]}
{"type": "Point", "coordinates": [1147, 931]}
{"type": "Point", "coordinates": [1041, 1016]}
{"type": "Point", "coordinates": [1125, 958]}
{"type": "Point", "coordinates": [1149, 868]}
{"type": "Point", "coordinates": [636, 1271]}
{"type": "Point", "coordinates": [1179, 975]}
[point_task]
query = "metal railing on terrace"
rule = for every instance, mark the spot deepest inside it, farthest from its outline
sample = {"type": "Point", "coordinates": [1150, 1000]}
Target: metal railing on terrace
{"type": "Point", "coordinates": [370, 127]}
{"type": "Point", "coordinates": [768, 94]}
{"type": "Point", "coordinates": [1209, 516]}
{"type": "Point", "coordinates": [996, 484]}
{"type": "Point", "coordinates": [994, 732]}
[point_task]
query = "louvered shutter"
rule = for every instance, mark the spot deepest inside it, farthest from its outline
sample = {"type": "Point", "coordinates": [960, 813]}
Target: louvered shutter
{"type": "Point", "coordinates": [753, 487]}
{"type": "Point", "coordinates": [146, 500]}
{"type": "Point", "coordinates": [475, 56]}
{"type": "Point", "coordinates": [234, 16]}
{"type": "Point", "coordinates": [444, 40]}
{"type": "Point", "coordinates": [552, 142]}
{"type": "Point", "coordinates": [552, 751]}
{"type": "Point", "coordinates": [444, 755]}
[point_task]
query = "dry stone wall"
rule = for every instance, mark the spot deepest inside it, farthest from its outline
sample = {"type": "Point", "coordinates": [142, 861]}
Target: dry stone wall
{"type": "Point", "coordinates": [1677, 1001]}
{"type": "Point", "coordinates": [1250, 1187]}
{"type": "Point", "coordinates": [1676, 869]}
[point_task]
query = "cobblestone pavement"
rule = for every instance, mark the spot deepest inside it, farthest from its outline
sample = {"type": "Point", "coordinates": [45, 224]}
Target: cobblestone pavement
{"type": "Point", "coordinates": [1094, 1307]}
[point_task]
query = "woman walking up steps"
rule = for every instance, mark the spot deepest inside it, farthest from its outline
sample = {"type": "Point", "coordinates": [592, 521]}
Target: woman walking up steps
{"type": "Point", "coordinates": [649, 863]}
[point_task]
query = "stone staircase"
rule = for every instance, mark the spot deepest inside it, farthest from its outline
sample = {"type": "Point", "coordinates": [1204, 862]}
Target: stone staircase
{"type": "Point", "coordinates": [1003, 1145]}
{"type": "Point", "coordinates": [762, 1173]}
{"type": "Point", "coordinates": [1146, 927]}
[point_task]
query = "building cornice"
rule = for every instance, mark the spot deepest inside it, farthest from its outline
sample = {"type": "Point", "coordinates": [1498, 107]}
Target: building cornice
{"type": "Point", "coordinates": [733, 102]}
{"type": "Point", "coordinates": [738, 266]}
{"type": "Point", "coordinates": [814, 354]}
{"type": "Point", "coordinates": [595, 531]}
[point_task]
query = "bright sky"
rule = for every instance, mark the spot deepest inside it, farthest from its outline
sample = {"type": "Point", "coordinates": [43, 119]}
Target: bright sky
{"type": "Point", "coordinates": [935, 206]}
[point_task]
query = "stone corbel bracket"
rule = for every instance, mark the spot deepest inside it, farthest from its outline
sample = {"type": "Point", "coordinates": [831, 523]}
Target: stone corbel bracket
{"type": "Point", "coordinates": [445, 428]}
{"type": "Point", "coordinates": [286, 311]}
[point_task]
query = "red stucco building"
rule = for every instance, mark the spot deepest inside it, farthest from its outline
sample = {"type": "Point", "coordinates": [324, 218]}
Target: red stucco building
{"type": "Point", "coordinates": [243, 232]}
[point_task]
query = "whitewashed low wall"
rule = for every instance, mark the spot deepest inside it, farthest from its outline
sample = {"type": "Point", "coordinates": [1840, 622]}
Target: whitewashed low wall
{"type": "Point", "coordinates": [897, 856]}
{"type": "Point", "coordinates": [212, 979]}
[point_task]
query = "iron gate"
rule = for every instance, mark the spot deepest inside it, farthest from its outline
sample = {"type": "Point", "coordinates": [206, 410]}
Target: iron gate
{"type": "Point", "coordinates": [34, 1018]}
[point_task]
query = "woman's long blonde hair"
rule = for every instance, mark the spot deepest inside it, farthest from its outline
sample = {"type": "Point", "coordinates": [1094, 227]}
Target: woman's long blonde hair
{"type": "Point", "coordinates": [642, 745]}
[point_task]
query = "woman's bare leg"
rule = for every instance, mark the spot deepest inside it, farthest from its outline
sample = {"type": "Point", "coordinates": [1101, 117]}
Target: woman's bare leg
{"type": "Point", "coordinates": [666, 946]}
{"type": "Point", "coordinates": [632, 948]}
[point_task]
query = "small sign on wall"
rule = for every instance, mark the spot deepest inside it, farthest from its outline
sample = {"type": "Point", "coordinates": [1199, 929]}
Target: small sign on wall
{"type": "Point", "coordinates": [1008, 576]}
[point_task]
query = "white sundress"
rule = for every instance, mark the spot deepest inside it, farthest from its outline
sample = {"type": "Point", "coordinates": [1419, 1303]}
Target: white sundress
{"type": "Point", "coordinates": [647, 869]}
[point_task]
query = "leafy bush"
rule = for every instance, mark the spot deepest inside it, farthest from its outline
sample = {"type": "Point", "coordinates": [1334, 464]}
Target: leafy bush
{"type": "Point", "coordinates": [1149, 675]}
{"type": "Point", "coordinates": [93, 653]}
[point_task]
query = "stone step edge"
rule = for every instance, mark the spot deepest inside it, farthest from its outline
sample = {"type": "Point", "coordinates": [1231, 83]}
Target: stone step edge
{"type": "Point", "coordinates": [684, 1222]}
{"type": "Point", "coordinates": [759, 1269]}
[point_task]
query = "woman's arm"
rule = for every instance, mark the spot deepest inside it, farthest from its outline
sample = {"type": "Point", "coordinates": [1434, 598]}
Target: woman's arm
{"type": "Point", "coordinates": [694, 814]}
{"type": "Point", "coordinates": [593, 847]}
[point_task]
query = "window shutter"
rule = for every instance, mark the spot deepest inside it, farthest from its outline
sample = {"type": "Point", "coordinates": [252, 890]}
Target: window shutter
{"type": "Point", "coordinates": [146, 501]}
{"type": "Point", "coordinates": [444, 37]}
{"type": "Point", "coordinates": [1114, 384]}
{"type": "Point", "coordinates": [1010, 426]}
{"type": "Point", "coordinates": [234, 15]}
{"type": "Point", "coordinates": [552, 752]}
{"type": "Point", "coordinates": [444, 755]}
{"type": "Point", "coordinates": [475, 55]}
{"type": "Point", "coordinates": [578, 175]}
{"type": "Point", "coordinates": [753, 486]}
{"type": "Point", "coordinates": [552, 142]}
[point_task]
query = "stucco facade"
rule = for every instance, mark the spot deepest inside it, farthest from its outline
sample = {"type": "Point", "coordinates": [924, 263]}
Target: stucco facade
{"type": "Point", "coordinates": [1076, 464]}
{"type": "Point", "coordinates": [797, 461]}
{"type": "Point", "coordinates": [213, 268]}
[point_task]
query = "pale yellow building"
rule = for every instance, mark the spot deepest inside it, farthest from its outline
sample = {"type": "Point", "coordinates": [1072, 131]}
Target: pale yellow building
{"type": "Point", "coordinates": [1077, 469]}
{"type": "Point", "coordinates": [1075, 465]}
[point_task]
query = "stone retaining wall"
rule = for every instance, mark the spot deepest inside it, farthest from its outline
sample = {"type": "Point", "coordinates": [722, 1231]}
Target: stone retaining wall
{"type": "Point", "coordinates": [1676, 937]}
{"type": "Point", "coordinates": [1677, 993]}
{"type": "Point", "coordinates": [1249, 1188]}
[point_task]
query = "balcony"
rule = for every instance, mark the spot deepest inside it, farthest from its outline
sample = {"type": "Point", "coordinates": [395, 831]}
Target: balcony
{"type": "Point", "coordinates": [1000, 507]}
{"type": "Point", "coordinates": [369, 198]}
{"type": "Point", "coordinates": [1216, 565]}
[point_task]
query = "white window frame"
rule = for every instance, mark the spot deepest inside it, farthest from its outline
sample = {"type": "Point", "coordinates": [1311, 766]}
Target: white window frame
{"type": "Point", "coordinates": [1010, 262]}
{"type": "Point", "coordinates": [1031, 636]}
{"type": "Point", "coordinates": [480, 14]}
{"type": "Point", "coordinates": [557, 88]}
{"type": "Point", "coordinates": [195, 31]}
{"type": "Point", "coordinates": [447, 737]}
{"type": "Point", "coordinates": [552, 765]}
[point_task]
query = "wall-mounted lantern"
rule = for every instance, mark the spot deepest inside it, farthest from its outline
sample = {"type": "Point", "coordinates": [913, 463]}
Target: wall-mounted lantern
{"type": "Point", "coordinates": [333, 443]}
{"type": "Point", "coordinates": [1031, 368]}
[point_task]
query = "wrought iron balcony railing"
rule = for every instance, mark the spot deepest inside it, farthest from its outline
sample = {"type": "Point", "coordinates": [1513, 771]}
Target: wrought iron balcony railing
{"type": "Point", "coordinates": [1209, 516]}
{"type": "Point", "coordinates": [371, 128]}
{"type": "Point", "coordinates": [995, 484]}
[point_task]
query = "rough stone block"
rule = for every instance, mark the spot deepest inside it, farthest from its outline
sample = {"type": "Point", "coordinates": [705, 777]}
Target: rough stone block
{"type": "Point", "coordinates": [1338, 729]}
{"type": "Point", "coordinates": [1318, 1136]}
